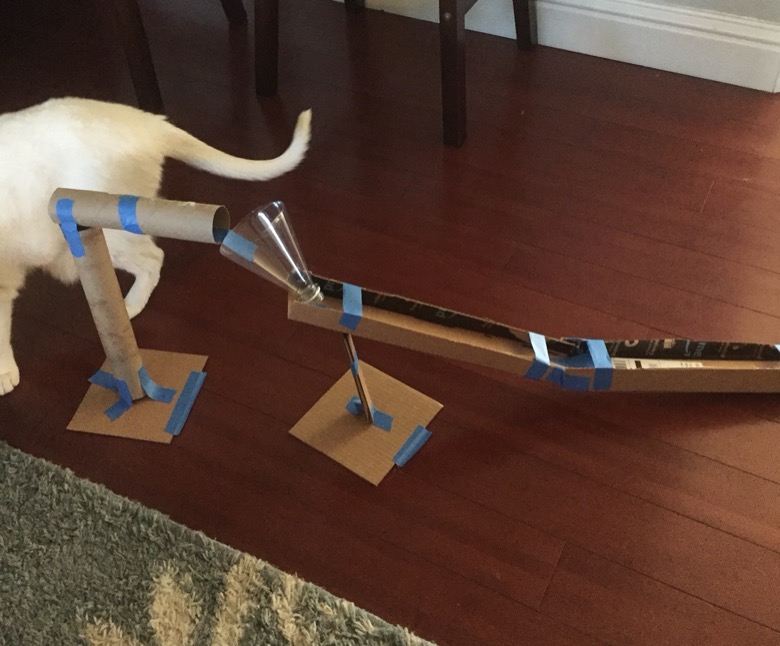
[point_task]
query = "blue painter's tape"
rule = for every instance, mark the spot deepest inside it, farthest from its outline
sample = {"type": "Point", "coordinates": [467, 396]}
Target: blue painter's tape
{"type": "Point", "coordinates": [122, 405]}
{"type": "Point", "coordinates": [352, 306]}
{"type": "Point", "coordinates": [153, 390]}
{"type": "Point", "coordinates": [413, 444]}
{"type": "Point", "coordinates": [381, 420]}
{"type": "Point", "coordinates": [68, 226]}
{"type": "Point", "coordinates": [183, 406]}
{"type": "Point", "coordinates": [354, 367]}
{"type": "Point", "coordinates": [240, 245]}
{"type": "Point", "coordinates": [541, 361]}
{"type": "Point", "coordinates": [602, 379]}
{"type": "Point", "coordinates": [354, 406]}
{"type": "Point", "coordinates": [128, 217]}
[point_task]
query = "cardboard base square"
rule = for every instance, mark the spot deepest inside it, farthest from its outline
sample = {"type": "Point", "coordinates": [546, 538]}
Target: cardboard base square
{"type": "Point", "coordinates": [146, 418]}
{"type": "Point", "coordinates": [349, 439]}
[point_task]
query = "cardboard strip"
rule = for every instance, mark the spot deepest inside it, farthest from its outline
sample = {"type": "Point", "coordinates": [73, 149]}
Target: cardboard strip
{"type": "Point", "coordinates": [682, 349]}
{"type": "Point", "coordinates": [737, 374]}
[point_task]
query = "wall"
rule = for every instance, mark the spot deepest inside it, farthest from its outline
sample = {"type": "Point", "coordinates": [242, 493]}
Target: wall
{"type": "Point", "coordinates": [758, 9]}
{"type": "Point", "coordinates": [683, 36]}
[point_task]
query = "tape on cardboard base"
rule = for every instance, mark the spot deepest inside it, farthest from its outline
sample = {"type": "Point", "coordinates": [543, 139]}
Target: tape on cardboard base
{"type": "Point", "coordinates": [153, 390]}
{"type": "Point", "coordinates": [122, 405]}
{"type": "Point", "coordinates": [181, 411]}
{"type": "Point", "coordinates": [414, 443]}
{"type": "Point", "coordinates": [381, 419]}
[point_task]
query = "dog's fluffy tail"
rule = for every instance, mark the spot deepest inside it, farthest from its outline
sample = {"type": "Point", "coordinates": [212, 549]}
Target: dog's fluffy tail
{"type": "Point", "coordinates": [192, 151]}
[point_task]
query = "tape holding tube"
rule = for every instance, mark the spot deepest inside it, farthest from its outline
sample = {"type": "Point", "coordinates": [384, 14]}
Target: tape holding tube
{"type": "Point", "coordinates": [128, 218]}
{"type": "Point", "coordinates": [68, 226]}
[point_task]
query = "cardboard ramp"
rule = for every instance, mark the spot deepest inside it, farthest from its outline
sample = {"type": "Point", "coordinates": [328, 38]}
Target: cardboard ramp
{"type": "Point", "coordinates": [660, 365]}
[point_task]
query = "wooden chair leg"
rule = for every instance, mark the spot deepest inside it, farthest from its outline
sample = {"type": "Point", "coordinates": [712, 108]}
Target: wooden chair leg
{"type": "Point", "coordinates": [522, 10]}
{"type": "Point", "coordinates": [130, 27]}
{"type": "Point", "coordinates": [354, 5]}
{"type": "Point", "coordinates": [234, 11]}
{"type": "Point", "coordinates": [452, 32]}
{"type": "Point", "coordinates": [266, 47]}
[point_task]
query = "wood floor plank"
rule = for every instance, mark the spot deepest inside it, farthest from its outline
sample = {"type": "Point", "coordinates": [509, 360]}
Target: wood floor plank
{"type": "Point", "coordinates": [623, 607]}
{"type": "Point", "coordinates": [699, 560]}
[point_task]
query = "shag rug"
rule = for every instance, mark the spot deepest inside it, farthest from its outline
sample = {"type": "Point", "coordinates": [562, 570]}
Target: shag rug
{"type": "Point", "coordinates": [82, 565]}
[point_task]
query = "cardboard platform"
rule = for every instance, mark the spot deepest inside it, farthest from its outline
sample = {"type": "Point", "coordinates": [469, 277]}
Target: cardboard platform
{"type": "Point", "coordinates": [349, 439]}
{"type": "Point", "coordinates": [146, 419]}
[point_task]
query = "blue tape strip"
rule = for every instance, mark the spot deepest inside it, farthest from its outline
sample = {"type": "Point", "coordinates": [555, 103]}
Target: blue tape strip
{"type": "Point", "coordinates": [240, 245]}
{"type": "Point", "coordinates": [122, 405]}
{"type": "Point", "coordinates": [602, 379]}
{"type": "Point", "coordinates": [355, 406]}
{"type": "Point", "coordinates": [183, 406]}
{"type": "Point", "coordinates": [154, 390]}
{"type": "Point", "coordinates": [413, 444]}
{"type": "Point", "coordinates": [559, 377]}
{"type": "Point", "coordinates": [354, 367]}
{"type": "Point", "coordinates": [381, 419]}
{"type": "Point", "coordinates": [352, 306]}
{"type": "Point", "coordinates": [68, 226]}
{"type": "Point", "coordinates": [541, 361]}
{"type": "Point", "coordinates": [128, 217]}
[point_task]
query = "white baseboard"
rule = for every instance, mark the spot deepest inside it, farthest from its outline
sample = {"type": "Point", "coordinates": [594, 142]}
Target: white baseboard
{"type": "Point", "coordinates": [716, 46]}
{"type": "Point", "coordinates": [705, 44]}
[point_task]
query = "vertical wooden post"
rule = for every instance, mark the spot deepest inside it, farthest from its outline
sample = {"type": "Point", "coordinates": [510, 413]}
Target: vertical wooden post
{"type": "Point", "coordinates": [360, 382]}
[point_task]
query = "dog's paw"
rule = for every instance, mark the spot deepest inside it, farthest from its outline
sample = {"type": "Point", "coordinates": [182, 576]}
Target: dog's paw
{"type": "Point", "coordinates": [9, 378]}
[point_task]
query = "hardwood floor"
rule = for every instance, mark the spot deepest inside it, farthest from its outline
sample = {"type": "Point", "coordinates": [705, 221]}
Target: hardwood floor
{"type": "Point", "coordinates": [591, 198]}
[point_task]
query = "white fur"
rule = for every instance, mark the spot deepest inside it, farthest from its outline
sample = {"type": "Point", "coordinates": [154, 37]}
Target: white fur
{"type": "Point", "coordinates": [91, 145]}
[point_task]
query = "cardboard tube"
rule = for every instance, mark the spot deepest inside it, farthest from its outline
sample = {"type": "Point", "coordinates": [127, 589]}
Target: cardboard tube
{"type": "Point", "coordinates": [100, 284]}
{"type": "Point", "coordinates": [156, 217]}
